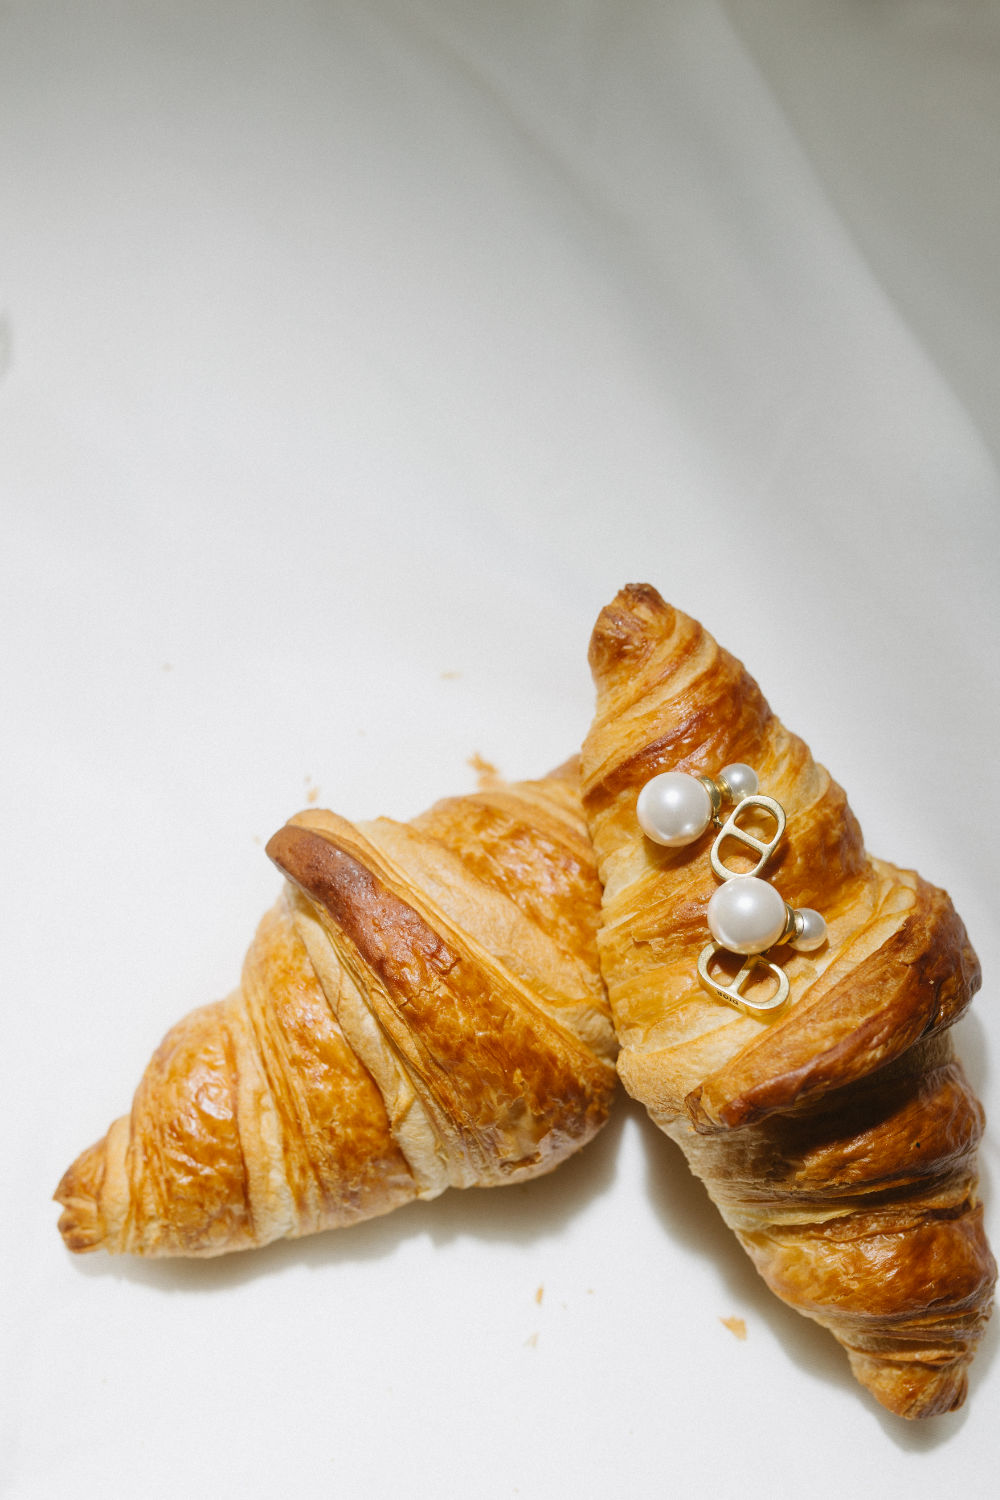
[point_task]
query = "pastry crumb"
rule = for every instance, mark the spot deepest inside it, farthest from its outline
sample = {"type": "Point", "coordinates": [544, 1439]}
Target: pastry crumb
{"type": "Point", "coordinates": [487, 775]}
{"type": "Point", "coordinates": [312, 792]}
{"type": "Point", "coordinates": [450, 676]}
{"type": "Point", "coordinates": [532, 1342]}
{"type": "Point", "coordinates": [736, 1326]}
{"type": "Point", "coordinates": [540, 1294]}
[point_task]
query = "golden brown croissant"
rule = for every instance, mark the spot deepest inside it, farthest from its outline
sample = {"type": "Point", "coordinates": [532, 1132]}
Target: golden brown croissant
{"type": "Point", "coordinates": [422, 1008]}
{"type": "Point", "coordinates": [837, 1136]}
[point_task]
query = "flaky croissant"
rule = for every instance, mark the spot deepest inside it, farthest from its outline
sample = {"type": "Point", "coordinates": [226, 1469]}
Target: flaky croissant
{"type": "Point", "coordinates": [837, 1137]}
{"type": "Point", "coordinates": [422, 1008]}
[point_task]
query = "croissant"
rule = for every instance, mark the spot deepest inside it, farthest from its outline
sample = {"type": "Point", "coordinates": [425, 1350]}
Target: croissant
{"type": "Point", "coordinates": [422, 1008]}
{"type": "Point", "coordinates": [837, 1135]}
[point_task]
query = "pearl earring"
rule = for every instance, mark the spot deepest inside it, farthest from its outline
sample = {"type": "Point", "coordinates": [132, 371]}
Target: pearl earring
{"type": "Point", "coordinates": [747, 916]}
{"type": "Point", "coordinates": [674, 808]}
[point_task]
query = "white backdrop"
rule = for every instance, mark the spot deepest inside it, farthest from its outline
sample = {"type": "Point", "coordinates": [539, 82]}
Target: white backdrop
{"type": "Point", "coordinates": [352, 356]}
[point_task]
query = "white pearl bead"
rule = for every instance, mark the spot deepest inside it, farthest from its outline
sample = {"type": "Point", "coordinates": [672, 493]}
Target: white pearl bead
{"type": "Point", "coordinates": [674, 809]}
{"type": "Point", "coordinates": [740, 779]}
{"type": "Point", "coordinates": [746, 915]}
{"type": "Point", "coordinates": [810, 929]}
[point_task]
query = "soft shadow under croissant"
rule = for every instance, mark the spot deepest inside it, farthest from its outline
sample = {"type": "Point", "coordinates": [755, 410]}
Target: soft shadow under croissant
{"type": "Point", "coordinates": [422, 1008]}
{"type": "Point", "coordinates": [838, 1139]}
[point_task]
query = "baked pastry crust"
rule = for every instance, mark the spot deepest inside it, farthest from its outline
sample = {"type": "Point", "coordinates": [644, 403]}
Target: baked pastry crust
{"type": "Point", "coordinates": [838, 1138]}
{"type": "Point", "coordinates": [422, 1008]}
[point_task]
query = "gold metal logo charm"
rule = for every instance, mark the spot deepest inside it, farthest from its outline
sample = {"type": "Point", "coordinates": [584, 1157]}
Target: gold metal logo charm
{"type": "Point", "coordinates": [733, 992]}
{"type": "Point", "coordinates": [731, 830]}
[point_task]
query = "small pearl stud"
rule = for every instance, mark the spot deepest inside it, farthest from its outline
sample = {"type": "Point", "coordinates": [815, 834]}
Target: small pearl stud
{"type": "Point", "coordinates": [738, 781]}
{"type": "Point", "coordinates": [809, 930]}
{"type": "Point", "coordinates": [674, 808]}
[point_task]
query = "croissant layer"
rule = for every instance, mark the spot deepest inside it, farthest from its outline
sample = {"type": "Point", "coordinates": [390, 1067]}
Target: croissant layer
{"type": "Point", "coordinates": [837, 1135]}
{"type": "Point", "coordinates": [421, 1008]}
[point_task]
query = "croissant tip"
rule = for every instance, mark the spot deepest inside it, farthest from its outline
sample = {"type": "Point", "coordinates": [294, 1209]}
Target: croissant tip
{"type": "Point", "coordinates": [290, 849]}
{"type": "Point", "coordinates": [81, 1223]}
{"type": "Point", "coordinates": [935, 1399]}
{"type": "Point", "coordinates": [912, 1389]}
{"type": "Point", "coordinates": [276, 845]}
{"type": "Point", "coordinates": [80, 1226]}
{"type": "Point", "coordinates": [639, 596]}
{"type": "Point", "coordinates": [625, 628]}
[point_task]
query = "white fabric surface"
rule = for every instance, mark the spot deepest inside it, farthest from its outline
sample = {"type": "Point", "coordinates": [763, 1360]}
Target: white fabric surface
{"type": "Point", "coordinates": [351, 357]}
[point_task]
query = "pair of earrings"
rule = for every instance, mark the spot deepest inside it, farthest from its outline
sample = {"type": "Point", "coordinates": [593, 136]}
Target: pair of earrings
{"type": "Point", "coordinates": [746, 915]}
